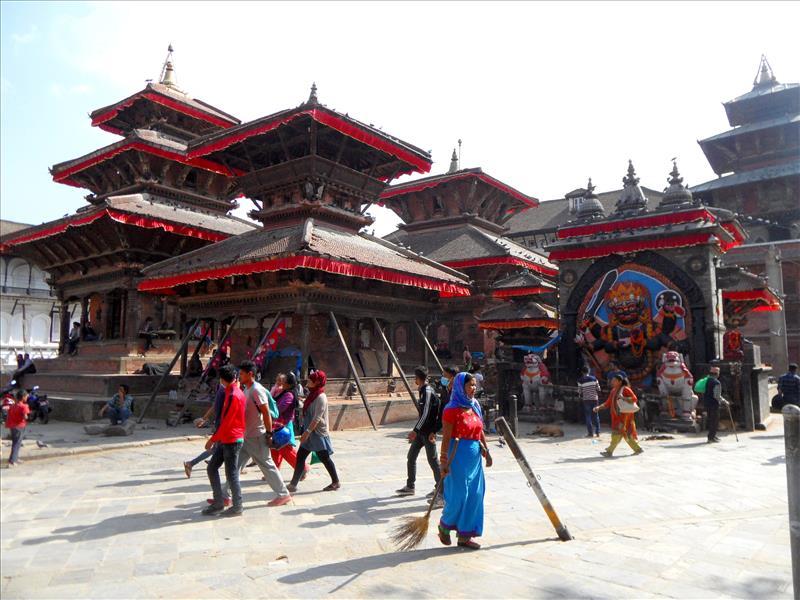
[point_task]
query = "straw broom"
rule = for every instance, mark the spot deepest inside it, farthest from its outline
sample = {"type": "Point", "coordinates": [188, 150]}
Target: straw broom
{"type": "Point", "coordinates": [412, 530]}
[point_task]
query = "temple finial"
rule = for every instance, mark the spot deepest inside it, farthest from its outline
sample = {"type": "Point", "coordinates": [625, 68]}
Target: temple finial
{"type": "Point", "coordinates": [630, 178]}
{"type": "Point", "coordinates": [765, 77]}
{"type": "Point", "coordinates": [590, 208]}
{"type": "Point", "coordinates": [453, 162]}
{"type": "Point", "coordinates": [168, 71]}
{"type": "Point", "coordinates": [312, 97]}
{"type": "Point", "coordinates": [632, 200]}
{"type": "Point", "coordinates": [676, 194]}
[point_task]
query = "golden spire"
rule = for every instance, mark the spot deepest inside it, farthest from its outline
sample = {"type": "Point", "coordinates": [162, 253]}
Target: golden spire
{"type": "Point", "coordinates": [168, 71]}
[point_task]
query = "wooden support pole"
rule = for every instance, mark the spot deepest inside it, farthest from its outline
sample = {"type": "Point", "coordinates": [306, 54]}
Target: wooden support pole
{"type": "Point", "coordinates": [161, 381]}
{"type": "Point", "coordinates": [190, 396]}
{"type": "Point", "coordinates": [428, 345]}
{"type": "Point", "coordinates": [304, 335]}
{"type": "Point", "coordinates": [264, 337]}
{"type": "Point", "coordinates": [396, 362]}
{"type": "Point", "coordinates": [353, 369]}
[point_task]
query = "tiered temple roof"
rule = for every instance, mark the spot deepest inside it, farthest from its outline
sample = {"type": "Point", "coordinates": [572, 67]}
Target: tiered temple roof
{"type": "Point", "coordinates": [309, 171]}
{"type": "Point", "coordinates": [676, 222]}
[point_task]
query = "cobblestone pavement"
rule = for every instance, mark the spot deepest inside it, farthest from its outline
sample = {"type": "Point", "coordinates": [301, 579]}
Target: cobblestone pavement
{"type": "Point", "coordinates": [684, 519]}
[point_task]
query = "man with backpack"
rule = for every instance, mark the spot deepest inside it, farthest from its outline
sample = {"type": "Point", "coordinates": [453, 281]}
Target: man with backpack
{"type": "Point", "coordinates": [424, 432]}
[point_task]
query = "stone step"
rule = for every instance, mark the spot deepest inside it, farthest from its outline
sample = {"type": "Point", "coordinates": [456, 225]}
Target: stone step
{"type": "Point", "coordinates": [112, 365]}
{"type": "Point", "coordinates": [344, 413]}
{"type": "Point", "coordinates": [68, 383]}
{"type": "Point", "coordinates": [125, 348]}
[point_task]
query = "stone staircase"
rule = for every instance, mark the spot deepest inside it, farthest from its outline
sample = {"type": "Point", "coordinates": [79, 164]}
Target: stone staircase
{"type": "Point", "coordinates": [100, 367]}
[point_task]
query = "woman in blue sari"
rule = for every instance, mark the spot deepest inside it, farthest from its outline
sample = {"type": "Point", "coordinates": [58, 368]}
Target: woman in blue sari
{"type": "Point", "coordinates": [464, 484]}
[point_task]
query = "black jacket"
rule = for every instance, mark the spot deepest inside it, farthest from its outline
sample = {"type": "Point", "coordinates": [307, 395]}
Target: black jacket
{"type": "Point", "coordinates": [428, 411]}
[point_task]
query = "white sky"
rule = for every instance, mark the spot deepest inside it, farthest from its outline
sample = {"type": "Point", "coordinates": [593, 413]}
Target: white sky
{"type": "Point", "coordinates": [543, 95]}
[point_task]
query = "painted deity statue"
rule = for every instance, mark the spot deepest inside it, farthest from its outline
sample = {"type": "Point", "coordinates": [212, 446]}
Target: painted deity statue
{"type": "Point", "coordinates": [632, 318]}
{"type": "Point", "coordinates": [535, 381]}
{"type": "Point", "coordinates": [675, 384]}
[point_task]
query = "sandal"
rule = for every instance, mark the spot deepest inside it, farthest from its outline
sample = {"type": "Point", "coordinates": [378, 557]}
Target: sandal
{"type": "Point", "coordinates": [444, 536]}
{"type": "Point", "coordinates": [332, 487]}
{"type": "Point", "coordinates": [469, 543]}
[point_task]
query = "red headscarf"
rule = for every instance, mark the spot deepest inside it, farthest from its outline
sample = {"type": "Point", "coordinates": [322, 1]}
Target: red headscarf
{"type": "Point", "coordinates": [319, 378]}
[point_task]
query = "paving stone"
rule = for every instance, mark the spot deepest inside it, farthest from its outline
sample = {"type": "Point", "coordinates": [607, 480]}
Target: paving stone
{"type": "Point", "coordinates": [674, 522]}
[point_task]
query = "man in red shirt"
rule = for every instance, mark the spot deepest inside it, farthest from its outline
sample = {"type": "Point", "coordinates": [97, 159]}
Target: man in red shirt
{"type": "Point", "coordinates": [16, 421]}
{"type": "Point", "coordinates": [230, 435]}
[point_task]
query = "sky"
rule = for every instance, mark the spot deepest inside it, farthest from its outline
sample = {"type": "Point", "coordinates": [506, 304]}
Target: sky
{"type": "Point", "coordinates": [543, 95]}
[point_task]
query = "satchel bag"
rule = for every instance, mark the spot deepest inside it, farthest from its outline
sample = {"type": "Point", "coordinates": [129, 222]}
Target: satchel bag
{"type": "Point", "coordinates": [625, 405]}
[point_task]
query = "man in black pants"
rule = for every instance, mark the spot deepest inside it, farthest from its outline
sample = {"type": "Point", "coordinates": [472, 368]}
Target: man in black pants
{"type": "Point", "coordinates": [712, 400]}
{"type": "Point", "coordinates": [424, 432]}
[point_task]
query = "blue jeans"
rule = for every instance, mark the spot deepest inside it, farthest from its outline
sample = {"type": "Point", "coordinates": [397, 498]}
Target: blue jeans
{"type": "Point", "coordinates": [202, 456]}
{"type": "Point", "coordinates": [117, 415]}
{"type": "Point", "coordinates": [229, 455]}
{"type": "Point", "coordinates": [592, 418]}
{"type": "Point", "coordinates": [17, 433]}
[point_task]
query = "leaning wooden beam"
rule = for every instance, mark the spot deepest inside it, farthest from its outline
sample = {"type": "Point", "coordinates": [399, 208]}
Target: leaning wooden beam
{"type": "Point", "coordinates": [175, 358]}
{"type": "Point", "coordinates": [266, 335]}
{"type": "Point", "coordinates": [203, 377]}
{"type": "Point", "coordinates": [353, 369]}
{"type": "Point", "coordinates": [428, 344]}
{"type": "Point", "coordinates": [396, 362]}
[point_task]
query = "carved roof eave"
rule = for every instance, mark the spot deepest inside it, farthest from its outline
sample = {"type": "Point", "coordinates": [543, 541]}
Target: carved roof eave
{"type": "Point", "coordinates": [168, 98]}
{"type": "Point", "coordinates": [384, 150]}
{"type": "Point", "coordinates": [470, 175]}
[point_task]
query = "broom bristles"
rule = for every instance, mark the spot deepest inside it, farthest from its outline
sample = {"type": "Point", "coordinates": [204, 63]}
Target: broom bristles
{"type": "Point", "coordinates": [410, 533]}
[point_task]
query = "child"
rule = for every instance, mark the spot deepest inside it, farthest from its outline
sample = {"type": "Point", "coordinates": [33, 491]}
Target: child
{"type": "Point", "coordinates": [16, 421]}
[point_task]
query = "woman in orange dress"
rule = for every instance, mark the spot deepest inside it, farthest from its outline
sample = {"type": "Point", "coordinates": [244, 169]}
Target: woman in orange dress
{"type": "Point", "coordinates": [623, 424]}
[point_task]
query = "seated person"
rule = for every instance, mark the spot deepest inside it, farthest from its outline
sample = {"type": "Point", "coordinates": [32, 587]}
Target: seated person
{"type": "Point", "coordinates": [149, 334]}
{"type": "Point", "coordinates": [89, 334]}
{"type": "Point", "coordinates": [74, 338]}
{"type": "Point", "coordinates": [120, 407]}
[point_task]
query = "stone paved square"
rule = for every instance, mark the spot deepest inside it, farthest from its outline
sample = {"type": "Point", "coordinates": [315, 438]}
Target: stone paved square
{"type": "Point", "coordinates": [685, 519]}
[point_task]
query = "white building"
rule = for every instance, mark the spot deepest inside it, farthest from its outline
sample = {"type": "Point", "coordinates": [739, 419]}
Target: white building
{"type": "Point", "coordinates": [27, 304]}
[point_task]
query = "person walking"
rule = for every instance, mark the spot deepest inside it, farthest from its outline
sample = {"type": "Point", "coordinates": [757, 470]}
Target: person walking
{"type": "Point", "coordinates": [623, 424]}
{"type": "Point", "coordinates": [589, 391]}
{"type": "Point", "coordinates": [16, 421]}
{"type": "Point", "coordinates": [789, 386]}
{"type": "Point", "coordinates": [315, 438]}
{"type": "Point", "coordinates": [287, 400]}
{"type": "Point", "coordinates": [216, 410]}
{"type": "Point", "coordinates": [258, 415]}
{"type": "Point", "coordinates": [463, 444]}
{"type": "Point", "coordinates": [712, 400]}
{"type": "Point", "coordinates": [423, 434]}
{"type": "Point", "coordinates": [230, 435]}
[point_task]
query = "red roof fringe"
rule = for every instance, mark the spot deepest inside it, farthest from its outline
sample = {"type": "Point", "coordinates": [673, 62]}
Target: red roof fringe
{"type": "Point", "coordinates": [620, 247]}
{"type": "Point", "coordinates": [158, 99]}
{"type": "Point", "coordinates": [120, 217]}
{"type": "Point", "coordinates": [325, 118]}
{"type": "Point", "coordinates": [201, 163]}
{"type": "Point", "coordinates": [501, 260]}
{"type": "Point", "coordinates": [771, 301]}
{"type": "Point", "coordinates": [642, 222]}
{"type": "Point", "coordinates": [525, 291]}
{"type": "Point", "coordinates": [548, 323]}
{"type": "Point", "coordinates": [412, 187]}
{"type": "Point", "coordinates": [306, 262]}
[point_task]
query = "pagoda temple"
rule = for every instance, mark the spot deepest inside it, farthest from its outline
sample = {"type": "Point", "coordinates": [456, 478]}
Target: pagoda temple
{"type": "Point", "coordinates": [458, 219]}
{"type": "Point", "coordinates": [643, 281]}
{"type": "Point", "coordinates": [310, 170]}
{"type": "Point", "coordinates": [758, 168]}
{"type": "Point", "coordinates": [149, 200]}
